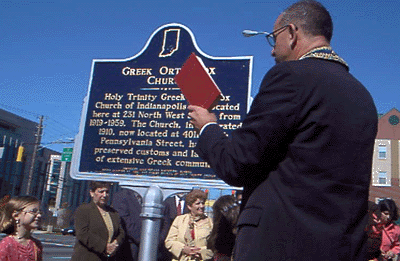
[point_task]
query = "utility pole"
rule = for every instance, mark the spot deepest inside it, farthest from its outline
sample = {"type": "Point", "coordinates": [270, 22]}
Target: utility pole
{"type": "Point", "coordinates": [60, 186]}
{"type": "Point", "coordinates": [35, 150]}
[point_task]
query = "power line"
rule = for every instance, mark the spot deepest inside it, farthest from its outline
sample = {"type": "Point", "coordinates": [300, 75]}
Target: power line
{"type": "Point", "coordinates": [61, 124]}
{"type": "Point", "coordinates": [55, 125]}
{"type": "Point", "coordinates": [21, 110]}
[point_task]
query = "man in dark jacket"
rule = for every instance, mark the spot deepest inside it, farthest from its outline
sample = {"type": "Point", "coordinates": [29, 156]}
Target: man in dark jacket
{"type": "Point", "coordinates": [304, 153]}
{"type": "Point", "coordinates": [128, 207]}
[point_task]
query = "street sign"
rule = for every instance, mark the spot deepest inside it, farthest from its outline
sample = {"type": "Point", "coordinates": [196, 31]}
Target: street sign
{"type": "Point", "coordinates": [66, 155]}
{"type": "Point", "coordinates": [68, 150]}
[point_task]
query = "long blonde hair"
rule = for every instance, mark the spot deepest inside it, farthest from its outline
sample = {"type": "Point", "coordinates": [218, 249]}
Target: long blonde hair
{"type": "Point", "coordinates": [7, 222]}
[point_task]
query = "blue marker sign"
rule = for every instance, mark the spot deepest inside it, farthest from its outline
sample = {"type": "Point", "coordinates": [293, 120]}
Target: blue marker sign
{"type": "Point", "coordinates": [134, 123]}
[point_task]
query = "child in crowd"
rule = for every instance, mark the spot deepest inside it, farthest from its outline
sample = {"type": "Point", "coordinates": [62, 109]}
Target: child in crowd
{"type": "Point", "coordinates": [18, 217]}
{"type": "Point", "coordinates": [388, 230]}
{"type": "Point", "coordinates": [223, 234]}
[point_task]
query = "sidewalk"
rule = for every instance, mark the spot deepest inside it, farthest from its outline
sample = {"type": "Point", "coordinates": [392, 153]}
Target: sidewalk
{"type": "Point", "coordinates": [42, 232]}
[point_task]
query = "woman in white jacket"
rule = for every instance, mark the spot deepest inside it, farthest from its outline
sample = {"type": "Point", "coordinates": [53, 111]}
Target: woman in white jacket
{"type": "Point", "coordinates": [187, 237]}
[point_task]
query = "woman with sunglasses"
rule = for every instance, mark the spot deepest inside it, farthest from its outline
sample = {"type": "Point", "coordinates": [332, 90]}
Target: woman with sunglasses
{"type": "Point", "coordinates": [18, 217]}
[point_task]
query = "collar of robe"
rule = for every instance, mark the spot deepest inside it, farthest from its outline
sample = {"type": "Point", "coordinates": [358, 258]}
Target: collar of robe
{"type": "Point", "coordinates": [326, 53]}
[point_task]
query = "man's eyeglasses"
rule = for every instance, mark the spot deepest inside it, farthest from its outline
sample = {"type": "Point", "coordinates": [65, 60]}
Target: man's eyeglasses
{"type": "Point", "coordinates": [34, 212]}
{"type": "Point", "coordinates": [271, 37]}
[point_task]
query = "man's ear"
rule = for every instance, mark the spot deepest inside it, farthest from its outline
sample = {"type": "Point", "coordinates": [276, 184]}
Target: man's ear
{"type": "Point", "coordinates": [293, 34]}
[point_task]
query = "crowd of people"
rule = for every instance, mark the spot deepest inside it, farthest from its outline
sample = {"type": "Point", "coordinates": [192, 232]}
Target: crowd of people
{"type": "Point", "coordinates": [303, 156]}
{"type": "Point", "coordinates": [103, 233]}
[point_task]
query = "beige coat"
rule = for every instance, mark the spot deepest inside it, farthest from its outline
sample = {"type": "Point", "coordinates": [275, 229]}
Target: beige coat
{"type": "Point", "coordinates": [175, 240]}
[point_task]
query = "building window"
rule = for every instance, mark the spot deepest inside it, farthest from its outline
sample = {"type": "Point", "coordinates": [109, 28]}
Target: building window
{"type": "Point", "coordinates": [382, 178]}
{"type": "Point", "coordinates": [394, 120]}
{"type": "Point", "coordinates": [382, 152]}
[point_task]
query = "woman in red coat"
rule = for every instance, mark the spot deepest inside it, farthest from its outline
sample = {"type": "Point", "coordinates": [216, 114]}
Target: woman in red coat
{"type": "Point", "coordinates": [390, 232]}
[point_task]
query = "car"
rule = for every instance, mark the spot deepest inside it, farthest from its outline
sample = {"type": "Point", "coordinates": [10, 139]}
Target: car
{"type": "Point", "coordinates": [68, 231]}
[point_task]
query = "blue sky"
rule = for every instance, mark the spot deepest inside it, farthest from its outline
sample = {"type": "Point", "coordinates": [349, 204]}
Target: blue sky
{"type": "Point", "coordinates": [47, 47]}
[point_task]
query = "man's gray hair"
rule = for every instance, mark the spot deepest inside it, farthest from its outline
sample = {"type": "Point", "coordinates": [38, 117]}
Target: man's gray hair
{"type": "Point", "coordinates": [311, 16]}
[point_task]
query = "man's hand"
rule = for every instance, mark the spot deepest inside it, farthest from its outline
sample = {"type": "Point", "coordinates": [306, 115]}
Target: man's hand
{"type": "Point", "coordinates": [200, 116]}
{"type": "Point", "coordinates": [112, 248]}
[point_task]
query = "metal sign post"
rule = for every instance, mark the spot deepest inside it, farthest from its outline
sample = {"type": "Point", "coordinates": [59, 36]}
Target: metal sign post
{"type": "Point", "coordinates": [152, 213]}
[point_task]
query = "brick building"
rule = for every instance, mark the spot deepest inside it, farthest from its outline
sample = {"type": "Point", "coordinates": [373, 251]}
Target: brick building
{"type": "Point", "coordinates": [385, 166]}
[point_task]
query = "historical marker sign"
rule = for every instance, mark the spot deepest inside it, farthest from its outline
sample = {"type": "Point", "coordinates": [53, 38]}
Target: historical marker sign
{"type": "Point", "coordinates": [134, 124]}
